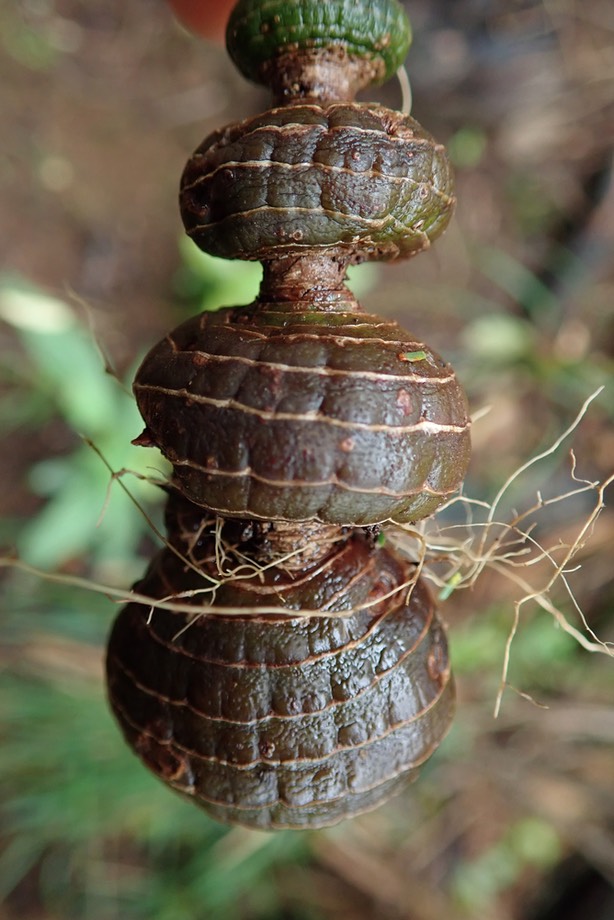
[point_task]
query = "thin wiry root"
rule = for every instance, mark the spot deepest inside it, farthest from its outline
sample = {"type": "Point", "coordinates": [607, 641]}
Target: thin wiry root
{"type": "Point", "coordinates": [176, 606]}
{"type": "Point", "coordinates": [454, 556]}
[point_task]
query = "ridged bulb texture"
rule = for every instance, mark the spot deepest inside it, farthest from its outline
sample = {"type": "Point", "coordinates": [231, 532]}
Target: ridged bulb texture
{"type": "Point", "coordinates": [339, 417]}
{"type": "Point", "coordinates": [277, 721]}
{"type": "Point", "coordinates": [357, 180]}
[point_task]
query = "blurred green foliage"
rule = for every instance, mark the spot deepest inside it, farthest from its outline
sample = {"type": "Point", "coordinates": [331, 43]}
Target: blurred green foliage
{"type": "Point", "coordinates": [467, 146]}
{"type": "Point", "coordinates": [528, 843]}
{"type": "Point", "coordinates": [498, 340]}
{"type": "Point", "coordinates": [56, 372]}
{"type": "Point", "coordinates": [31, 47]}
{"type": "Point", "coordinates": [204, 282]}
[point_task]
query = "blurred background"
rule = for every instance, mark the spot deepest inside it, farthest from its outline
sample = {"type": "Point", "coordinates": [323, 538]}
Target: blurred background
{"type": "Point", "coordinates": [513, 818]}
